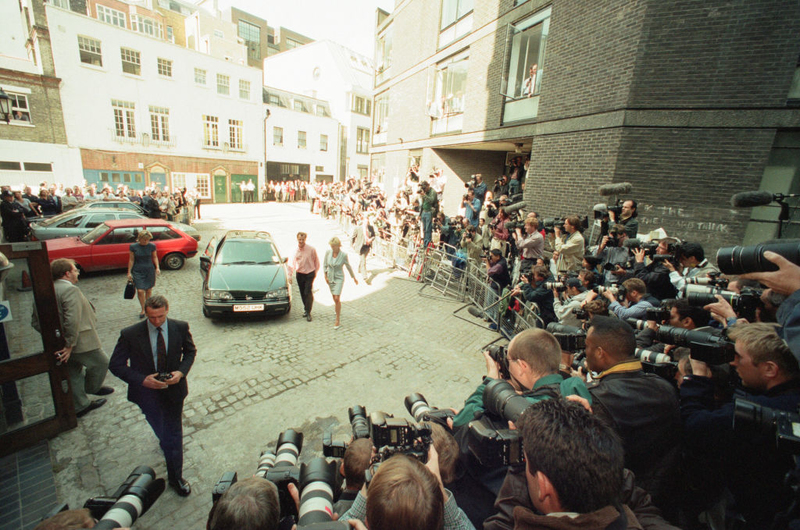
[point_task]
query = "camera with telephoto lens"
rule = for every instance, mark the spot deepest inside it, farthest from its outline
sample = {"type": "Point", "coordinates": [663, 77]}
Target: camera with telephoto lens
{"type": "Point", "coordinates": [580, 313]}
{"type": "Point", "coordinates": [712, 279]}
{"type": "Point", "coordinates": [706, 344]}
{"type": "Point", "coordinates": [281, 469]}
{"type": "Point", "coordinates": [650, 356]}
{"type": "Point", "coordinates": [418, 407]}
{"type": "Point", "coordinates": [741, 260]}
{"type": "Point", "coordinates": [758, 419]}
{"type": "Point", "coordinates": [638, 325]}
{"type": "Point", "coordinates": [659, 314]}
{"type": "Point", "coordinates": [551, 223]}
{"type": "Point", "coordinates": [228, 479]}
{"type": "Point", "coordinates": [657, 363]}
{"type": "Point", "coordinates": [131, 500]}
{"type": "Point", "coordinates": [617, 290]}
{"type": "Point", "coordinates": [558, 286]}
{"type": "Point", "coordinates": [570, 338]}
{"type": "Point", "coordinates": [359, 423]}
{"type": "Point", "coordinates": [489, 439]}
{"type": "Point", "coordinates": [499, 354]}
{"type": "Point", "coordinates": [319, 485]}
{"type": "Point", "coordinates": [392, 435]}
{"type": "Point", "coordinates": [745, 303]}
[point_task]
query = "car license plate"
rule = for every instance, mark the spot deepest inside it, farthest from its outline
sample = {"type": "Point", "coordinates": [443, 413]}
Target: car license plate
{"type": "Point", "coordinates": [239, 308]}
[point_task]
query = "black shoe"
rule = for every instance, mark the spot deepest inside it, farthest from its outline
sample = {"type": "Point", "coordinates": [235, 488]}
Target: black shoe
{"type": "Point", "coordinates": [96, 404]}
{"type": "Point", "coordinates": [181, 487]}
{"type": "Point", "coordinates": [308, 317]}
{"type": "Point", "coordinates": [104, 391]}
{"type": "Point", "coordinates": [305, 314]}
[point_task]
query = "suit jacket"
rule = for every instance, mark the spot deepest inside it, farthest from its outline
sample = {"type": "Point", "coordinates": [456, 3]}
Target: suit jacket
{"type": "Point", "coordinates": [132, 361]}
{"type": "Point", "coordinates": [77, 317]}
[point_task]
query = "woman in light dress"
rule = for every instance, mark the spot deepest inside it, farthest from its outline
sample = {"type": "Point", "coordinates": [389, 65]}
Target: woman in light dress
{"type": "Point", "coordinates": [333, 266]}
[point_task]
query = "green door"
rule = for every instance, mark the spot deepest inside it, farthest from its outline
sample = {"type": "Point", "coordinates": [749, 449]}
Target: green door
{"type": "Point", "coordinates": [236, 191]}
{"type": "Point", "coordinates": [220, 188]}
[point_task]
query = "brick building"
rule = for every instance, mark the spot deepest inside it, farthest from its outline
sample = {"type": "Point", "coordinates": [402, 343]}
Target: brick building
{"type": "Point", "coordinates": [690, 102]}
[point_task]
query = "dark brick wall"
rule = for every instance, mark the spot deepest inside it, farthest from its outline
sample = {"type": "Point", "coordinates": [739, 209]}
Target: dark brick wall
{"type": "Point", "coordinates": [567, 169]}
{"type": "Point", "coordinates": [683, 179]}
{"type": "Point", "coordinates": [590, 55]}
{"type": "Point", "coordinates": [716, 53]}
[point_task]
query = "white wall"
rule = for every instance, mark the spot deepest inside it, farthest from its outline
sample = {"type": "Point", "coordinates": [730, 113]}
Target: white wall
{"type": "Point", "coordinates": [87, 91]}
{"type": "Point", "coordinates": [66, 161]}
{"type": "Point", "coordinates": [294, 121]}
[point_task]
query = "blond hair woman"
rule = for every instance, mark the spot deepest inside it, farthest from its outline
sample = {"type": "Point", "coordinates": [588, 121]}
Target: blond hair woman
{"type": "Point", "coordinates": [333, 265]}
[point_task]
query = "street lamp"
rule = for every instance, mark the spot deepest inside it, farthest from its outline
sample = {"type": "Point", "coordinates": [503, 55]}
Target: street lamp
{"type": "Point", "coordinates": [5, 105]}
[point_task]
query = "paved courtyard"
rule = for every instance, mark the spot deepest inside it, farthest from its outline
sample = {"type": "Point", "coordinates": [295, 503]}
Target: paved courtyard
{"type": "Point", "coordinates": [255, 378]}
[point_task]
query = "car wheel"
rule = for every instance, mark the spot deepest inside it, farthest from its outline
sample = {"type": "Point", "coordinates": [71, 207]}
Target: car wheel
{"type": "Point", "coordinates": [206, 312]}
{"type": "Point", "coordinates": [174, 261]}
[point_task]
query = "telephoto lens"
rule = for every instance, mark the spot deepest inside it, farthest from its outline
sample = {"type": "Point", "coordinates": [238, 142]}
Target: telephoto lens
{"type": "Point", "coordinates": [648, 356]}
{"type": "Point", "coordinates": [142, 490]}
{"type": "Point", "coordinates": [502, 400]}
{"type": "Point", "coordinates": [318, 485]}
{"type": "Point", "coordinates": [741, 260]}
{"type": "Point", "coordinates": [417, 406]}
{"type": "Point", "coordinates": [290, 443]}
{"type": "Point", "coordinates": [358, 421]}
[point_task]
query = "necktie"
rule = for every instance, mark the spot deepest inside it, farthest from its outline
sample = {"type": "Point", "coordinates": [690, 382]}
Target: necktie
{"type": "Point", "coordinates": [161, 351]}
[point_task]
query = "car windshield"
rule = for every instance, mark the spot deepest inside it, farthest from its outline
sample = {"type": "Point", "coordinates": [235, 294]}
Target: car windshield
{"type": "Point", "coordinates": [92, 236]}
{"type": "Point", "coordinates": [56, 219]}
{"type": "Point", "coordinates": [247, 253]}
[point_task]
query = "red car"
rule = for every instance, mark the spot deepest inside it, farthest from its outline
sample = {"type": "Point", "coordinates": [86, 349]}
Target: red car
{"type": "Point", "coordinates": [108, 245]}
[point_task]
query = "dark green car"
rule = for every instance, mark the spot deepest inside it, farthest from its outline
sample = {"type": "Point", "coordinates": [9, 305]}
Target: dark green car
{"type": "Point", "coordinates": [243, 273]}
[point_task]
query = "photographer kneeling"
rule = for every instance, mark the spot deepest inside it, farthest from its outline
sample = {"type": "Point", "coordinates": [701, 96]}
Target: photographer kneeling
{"type": "Point", "coordinates": [746, 456]}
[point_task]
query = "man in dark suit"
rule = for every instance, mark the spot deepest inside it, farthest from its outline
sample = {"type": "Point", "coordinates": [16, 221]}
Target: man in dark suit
{"type": "Point", "coordinates": [154, 357]}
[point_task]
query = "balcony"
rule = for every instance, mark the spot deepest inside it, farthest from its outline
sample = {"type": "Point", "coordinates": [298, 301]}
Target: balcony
{"type": "Point", "coordinates": [142, 139]}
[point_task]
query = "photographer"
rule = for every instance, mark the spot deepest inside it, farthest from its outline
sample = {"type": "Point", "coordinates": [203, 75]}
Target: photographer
{"type": "Point", "coordinates": [613, 255]}
{"type": "Point", "coordinates": [534, 356]}
{"type": "Point", "coordinates": [693, 260]}
{"type": "Point", "coordinates": [250, 504]}
{"type": "Point", "coordinates": [429, 203]}
{"type": "Point", "coordinates": [627, 218]}
{"type": "Point", "coordinates": [405, 494]}
{"type": "Point", "coordinates": [642, 408]}
{"type": "Point", "coordinates": [564, 310]}
{"type": "Point", "coordinates": [636, 300]}
{"type": "Point", "coordinates": [499, 278]}
{"type": "Point", "coordinates": [655, 275]}
{"type": "Point", "coordinates": [681, 315]}
{"type": "Point", "coordinates": [500, 186]}
{"type": "Point", "coordinates": [499, 231]}
{"type": "Point", "coordinates": [752, 467]}
{"type": "Point", "coordinates": [573, 477]}
{"type": "Point", "coordinates": [569, 251]}
{"type": "Point", "coordinates": [356, 461]}
{"type": "Point", "coordinates": [534, 290]}
{"type": "Point", "coordinates": [531, 245]}
{"type": "Point", "coordinates": [479, 189]}
{"type": "Point", "coordinates": [469, 245]}
{"type": "Point", "coordinates": [472, 208]}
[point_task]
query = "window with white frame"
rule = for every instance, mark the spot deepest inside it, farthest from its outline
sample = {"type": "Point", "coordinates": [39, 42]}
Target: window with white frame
{"type": "Point", "coordinates": [323, 142]}
{"type": "Point", "coordinates": [361, 105]}
{"type": "Point", "coordinates": [204, 186]}
{"type": "Point", "coordinates": [164, 67]}
{"type": "Point", "coordinates": [147, 25]}
{"type": "Point", "coordinates": [521, 83]}
{"type": "Point", "coordinates": [178, 181]}
{"type": "Point", "coordinates": [199, 76]}
{"type": "Point", "coordinates": [384, 56]}
{"type": "Point", "coordinates": [447, 84]}
{"type": "Point", "coordinates": [124, 118]}
{"type": "Point", "coordinates": [277, 136]}
{"type": "Point", "coordinates": [381, 117]}
{"type": "Point", "coordinates": [111, 16]}
{"type": "Point", "coordinates": [223, 84]}
{"type": "Point", "coordinates": [362, 140]}
{"type": "Point", "coordinates": [20, 111]}
{"type": "Point", "coordinates": [90, 51]}
{"type": "Point", "coordinates": [244, 89]}
{"type": "Point", "coordinates": [300, 106]}
{"type": "Point", "coordinates": [171, 34]}
{"type": "Point", "coordinates": [235, 133]}
{"type": "Point", "coordinates": [131, 61]}
{"type": "Point", "coordinates": [210, 131]}
{"type": "Point", "coordinates": [159, 123]}
{"type": "Point", "coordinates": [323, 111]}
{"type": "Point", "coordinates": [456, 20]}
{"type": "Point", "coordinates": [301, 139]}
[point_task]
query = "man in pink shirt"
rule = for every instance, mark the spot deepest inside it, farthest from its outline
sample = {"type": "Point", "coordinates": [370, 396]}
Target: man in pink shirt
{"type": "Point", "coordinates": [305, 265]}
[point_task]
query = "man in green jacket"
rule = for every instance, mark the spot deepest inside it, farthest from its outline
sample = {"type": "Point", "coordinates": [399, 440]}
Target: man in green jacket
{"type": "Point", "coordinates": [533, 362]}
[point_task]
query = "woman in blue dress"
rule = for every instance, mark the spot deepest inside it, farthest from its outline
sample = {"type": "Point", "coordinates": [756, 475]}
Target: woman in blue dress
{"type": "Point", "coordinates": [333, 266]}
{"type": "Point", "coordinates": [143, 267]}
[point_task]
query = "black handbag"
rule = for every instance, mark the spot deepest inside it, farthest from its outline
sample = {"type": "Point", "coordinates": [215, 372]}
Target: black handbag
{"type": "Point", "coordinates": [130, 290]}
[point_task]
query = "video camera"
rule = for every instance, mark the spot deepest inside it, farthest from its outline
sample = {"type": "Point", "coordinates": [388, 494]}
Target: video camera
{"type": "Point", "coordinates": [549, 224]}
{"type": "Point", "coordinates": [706, 344]}
{"type": "Point", "coordinates": [752, 417]}
{"type": "Point", "coordinates": [673, 254]}
{"type": "Point", "coordinates": [570, 338]}
{"type": "Point", "coordinates": [131, 500]}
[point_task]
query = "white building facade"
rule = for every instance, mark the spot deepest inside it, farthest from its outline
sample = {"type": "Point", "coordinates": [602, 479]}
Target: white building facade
{"type": "Point", "coordinates": [145, 112]}
{"type": "Point", "coordinates": [302, 138]}
{"type": "Point", "coordinates": [333, 73]}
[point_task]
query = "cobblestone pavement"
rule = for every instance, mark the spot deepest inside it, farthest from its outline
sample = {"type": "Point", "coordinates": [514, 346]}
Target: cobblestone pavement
{"type": "Point", "coordinates": [255, 378]}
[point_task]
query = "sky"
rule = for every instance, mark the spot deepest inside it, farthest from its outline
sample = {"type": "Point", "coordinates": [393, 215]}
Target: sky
{"type": "Point", "coordinates": [350, 23]}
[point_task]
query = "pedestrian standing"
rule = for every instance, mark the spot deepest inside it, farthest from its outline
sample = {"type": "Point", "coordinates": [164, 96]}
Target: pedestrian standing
{"type": "Point", "coordinates": [143, 267]}
{"type": "Point", "coordinates": [362, 243]}
{"type": "Point", "coordinates": [82, 348]}
{"type": "Point", "coordinates": [154, 357]}
{"type": "Point", "coordinates": [305, 265]}
{"type": "Point", "coordinates": [333, 267]}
